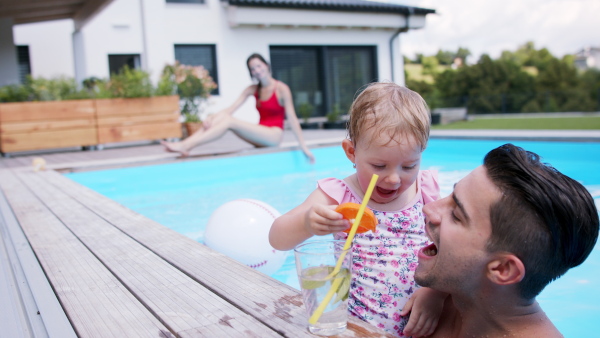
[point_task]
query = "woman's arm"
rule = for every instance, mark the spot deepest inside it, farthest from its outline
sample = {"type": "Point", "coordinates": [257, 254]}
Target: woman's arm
{"type": "Point", "coordinates": [232, 108]}
{"type": "Point", "coordinates": [249, 91]}
{"type": "Point", "coordinates": [290, 113]}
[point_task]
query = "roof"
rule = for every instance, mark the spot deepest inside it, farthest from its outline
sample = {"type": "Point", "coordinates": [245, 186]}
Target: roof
{"type": "Point", "coordinates": [335, 5]}
{"type": "Point", "coordinates": [21, 11]}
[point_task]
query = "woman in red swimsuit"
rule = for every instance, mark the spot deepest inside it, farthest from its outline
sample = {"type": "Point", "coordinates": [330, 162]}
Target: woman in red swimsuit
{"type": "Point", "coordinates": [274, 103]}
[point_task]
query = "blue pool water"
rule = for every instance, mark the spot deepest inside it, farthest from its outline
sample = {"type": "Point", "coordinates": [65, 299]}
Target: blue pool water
{"type": "Point", "coordinates": [183, 195]}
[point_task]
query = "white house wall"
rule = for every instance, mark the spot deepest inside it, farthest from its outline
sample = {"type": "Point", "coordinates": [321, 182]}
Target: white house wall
{"type": "Point", "coordinates": [119, 29]}
{"type": "Point", "coordinates": [50, 47]}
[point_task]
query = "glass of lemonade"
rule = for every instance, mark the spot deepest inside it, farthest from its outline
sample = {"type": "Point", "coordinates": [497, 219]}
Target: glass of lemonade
{"type": "Point", "coordinates": [324, 288]}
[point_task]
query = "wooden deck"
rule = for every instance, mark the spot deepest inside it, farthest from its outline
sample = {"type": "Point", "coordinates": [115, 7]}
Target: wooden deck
{"type": "Point", "coordinates": [79, 264]}
{"type": "Point", "coordinates": [75, 263]}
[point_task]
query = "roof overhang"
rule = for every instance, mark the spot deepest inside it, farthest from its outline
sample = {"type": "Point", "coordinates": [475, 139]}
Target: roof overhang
{"type": "Point", "coordinates": [29, 11]}
{"type": "Point", "coordinates": [315, 14]}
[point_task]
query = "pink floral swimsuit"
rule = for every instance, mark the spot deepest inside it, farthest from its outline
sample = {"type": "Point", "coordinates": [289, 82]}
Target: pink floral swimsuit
{"type": "Point", "coordinates": [384, 262]}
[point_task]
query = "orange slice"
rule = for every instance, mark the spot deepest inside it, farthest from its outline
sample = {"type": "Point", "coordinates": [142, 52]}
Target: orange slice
{"type": "Point", "coordinates": [349, 210]}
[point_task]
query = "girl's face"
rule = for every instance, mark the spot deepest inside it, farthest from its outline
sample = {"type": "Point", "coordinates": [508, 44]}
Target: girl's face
{"type": "Point", "coordinates": [397, 164]}
{"type": "Point", "coordinates": [258, 69]}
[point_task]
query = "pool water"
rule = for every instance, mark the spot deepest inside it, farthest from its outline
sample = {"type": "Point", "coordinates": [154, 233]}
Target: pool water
{"type": "Point", "coordinates": [183, 195]}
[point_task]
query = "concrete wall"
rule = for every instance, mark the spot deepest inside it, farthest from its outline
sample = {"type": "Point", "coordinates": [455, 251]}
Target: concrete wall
{"type": "Point", "coordinates": [9, 71]}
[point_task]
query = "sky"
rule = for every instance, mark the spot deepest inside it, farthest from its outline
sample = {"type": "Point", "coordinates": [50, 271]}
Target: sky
{"type": "Point", "coordinates": [491, 26]}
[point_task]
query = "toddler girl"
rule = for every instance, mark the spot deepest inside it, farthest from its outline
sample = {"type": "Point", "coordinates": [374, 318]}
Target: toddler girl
{"type": "Point", "coordinates": [388, 129]}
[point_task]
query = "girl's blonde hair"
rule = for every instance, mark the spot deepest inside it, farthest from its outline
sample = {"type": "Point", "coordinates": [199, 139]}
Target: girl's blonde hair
{"type": "Point", "coordinates": [392, 109]}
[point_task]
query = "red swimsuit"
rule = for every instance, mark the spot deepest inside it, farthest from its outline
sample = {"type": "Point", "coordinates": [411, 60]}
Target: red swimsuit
{"type": "Point", "coordinates": [271, 112]}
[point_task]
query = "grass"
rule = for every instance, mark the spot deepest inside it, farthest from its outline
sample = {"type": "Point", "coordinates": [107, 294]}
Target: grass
{"type": "Point", "coordinates": [553, 123]}
{"type": "Point", "coordinates": [415, 72]}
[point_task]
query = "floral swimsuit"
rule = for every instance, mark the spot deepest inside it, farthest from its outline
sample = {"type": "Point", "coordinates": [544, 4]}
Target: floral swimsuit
{"type": "Point", "coordinates": [384, 262]}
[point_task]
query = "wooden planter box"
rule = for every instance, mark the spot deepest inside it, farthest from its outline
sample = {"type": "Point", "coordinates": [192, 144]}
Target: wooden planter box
{"type": "Point", "coordinates": [48, 124]}
{"type": "Point", "coordinates": [74, 123]}
{"type": "Point", "coordinates": [152, 118]}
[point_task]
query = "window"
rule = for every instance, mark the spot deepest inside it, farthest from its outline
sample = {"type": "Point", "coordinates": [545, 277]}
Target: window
{"type": "Point", "coordinates": [324, 76]}
{"type": "Point", "coordinates": [117, 61]}
{"type": "Point", "coordinates": [185, 1]}
{"type": "Point", "coordinates": [199, 55]}
{"type": "Point", "coordinates": [24, 63]}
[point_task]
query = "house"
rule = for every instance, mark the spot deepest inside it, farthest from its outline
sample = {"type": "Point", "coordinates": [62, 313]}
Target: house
{"type": "Point", "coordinates": [588, 57]}
{"type": "Point", "coordinates": [325, 50]}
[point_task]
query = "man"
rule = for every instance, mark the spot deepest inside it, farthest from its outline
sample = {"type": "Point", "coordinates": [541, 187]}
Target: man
{"type": "Point", "coordinates": [509, 228]}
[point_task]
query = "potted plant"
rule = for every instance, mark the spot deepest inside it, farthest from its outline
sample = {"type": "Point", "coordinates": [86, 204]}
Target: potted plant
{"type": "Point", "coordinates": [194, 85]}
{"type": "Point", "coordinates": [334, 120]}
{"type": "Point", "coordinates": [305, 110]}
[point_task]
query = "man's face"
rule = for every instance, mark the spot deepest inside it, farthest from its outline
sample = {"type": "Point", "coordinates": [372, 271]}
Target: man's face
{"type": "Point", "coordinates": [459, 226]}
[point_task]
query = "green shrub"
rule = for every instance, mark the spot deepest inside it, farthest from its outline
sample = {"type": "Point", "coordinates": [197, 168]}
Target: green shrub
{"type": "Point", "coordinates": [128, 83]}
{"type": "Point", "coordinates": [14, 93]}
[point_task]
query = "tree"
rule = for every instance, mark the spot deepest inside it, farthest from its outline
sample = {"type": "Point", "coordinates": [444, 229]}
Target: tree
{"type": "Point", "coordinates": [487, 85]}
{"type": "Point", "coordinates": [430, 65]}
{"type": "Point", "coordinates": [463, 54]}
{"type": "Point", "coordinates": [445, 57]}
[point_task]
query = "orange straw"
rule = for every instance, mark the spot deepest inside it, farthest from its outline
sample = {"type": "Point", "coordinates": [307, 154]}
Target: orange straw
{"type": "Point", "coordinates": [336, 283]}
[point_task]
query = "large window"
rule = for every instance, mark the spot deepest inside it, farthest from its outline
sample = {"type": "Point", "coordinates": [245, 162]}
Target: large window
{"type": "Point", "coordinates": [116, 62]}
{"type": "Point", "coordinates": [199, 55]}
{"type": "Point", "coordinates": [24, 63]}
{"type": "Point", "coordinates": [324, 76]}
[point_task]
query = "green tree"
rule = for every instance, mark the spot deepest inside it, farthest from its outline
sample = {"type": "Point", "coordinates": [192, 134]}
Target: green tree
{"type": "Point", "coordinates": [445, 57]}
{"type": "Point", "coordinates": [463, 53]}
{"type": "Point", "coordinates": [488, 85]}
{"type": "Point", "coordinates": [430, 65]}
{"type": "Point", "coordinates": [418, 58]}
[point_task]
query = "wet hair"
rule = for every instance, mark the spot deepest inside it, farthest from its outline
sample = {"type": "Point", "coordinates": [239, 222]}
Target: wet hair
{"type": "Point", "coordinates": [262, 59]}
{"type": "Point", "coordinates": [548, 220]}
{"type": "Point", "coordinates": [391, 109]}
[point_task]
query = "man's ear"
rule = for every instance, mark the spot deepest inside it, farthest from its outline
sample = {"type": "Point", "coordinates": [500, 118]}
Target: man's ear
{"type": "Point", "coordinates": [349, 149]}
{"type": "Point", "coordinates": [506, 269]}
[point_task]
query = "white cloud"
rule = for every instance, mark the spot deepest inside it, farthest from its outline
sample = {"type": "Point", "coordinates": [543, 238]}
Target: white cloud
{"type": "Point", "coordinates": [562, 26]}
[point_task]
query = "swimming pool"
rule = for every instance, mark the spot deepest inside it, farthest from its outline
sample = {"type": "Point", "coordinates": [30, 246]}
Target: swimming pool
{"type": "Point", "coordinates": [183, 195]}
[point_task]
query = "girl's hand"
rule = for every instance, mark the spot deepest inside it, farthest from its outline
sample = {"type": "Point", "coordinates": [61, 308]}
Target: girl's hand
{"type": "Point", "coordinates": [322, 220]}
{"type": "Point", "coordinates": [425, 308]}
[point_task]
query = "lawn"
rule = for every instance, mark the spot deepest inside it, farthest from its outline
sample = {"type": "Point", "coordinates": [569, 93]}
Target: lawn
{"type": "Point", "coordinates": [526, 123]}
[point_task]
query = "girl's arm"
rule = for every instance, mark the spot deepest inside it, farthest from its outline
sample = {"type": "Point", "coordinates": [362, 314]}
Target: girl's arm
{"type": "Point", "coordinates": [290, 113]}
{"type": "Point", "coordinates": [315, 216]}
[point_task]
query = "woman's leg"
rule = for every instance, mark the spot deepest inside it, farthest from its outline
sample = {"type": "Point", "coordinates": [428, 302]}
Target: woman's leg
{"type": "Point", "coordinates": [254, 134]}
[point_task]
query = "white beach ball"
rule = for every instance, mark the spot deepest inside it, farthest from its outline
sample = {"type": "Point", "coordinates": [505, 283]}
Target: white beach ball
{"type": "Point", "coordinates": [240, 230]}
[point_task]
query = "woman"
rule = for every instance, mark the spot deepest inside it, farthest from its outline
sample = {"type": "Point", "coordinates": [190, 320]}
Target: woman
{"type": "Point", "coordinates": [274, 103]}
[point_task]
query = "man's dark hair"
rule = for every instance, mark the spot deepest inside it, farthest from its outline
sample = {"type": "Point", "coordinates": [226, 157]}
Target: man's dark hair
{"type": "Point", "coordinates": [545, 218]}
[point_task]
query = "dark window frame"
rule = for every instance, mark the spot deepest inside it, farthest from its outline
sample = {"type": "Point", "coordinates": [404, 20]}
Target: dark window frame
{"type": "Point", "coordinates": [136, 62]}
{"type": "Point", "coordinates": [213, 70]}
{"type": "Point", "coordinates": [322, 64]}
{"type": "Point", "coordinates": [24, 61]}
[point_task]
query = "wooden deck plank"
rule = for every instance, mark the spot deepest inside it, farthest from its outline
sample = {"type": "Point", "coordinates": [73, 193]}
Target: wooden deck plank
{"type": "Point", "coordinates": [91, 295]}
{"type": "Point", "coordinates": [178, 301]}
{"type": "Point", "coordinates": [271, 301]}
